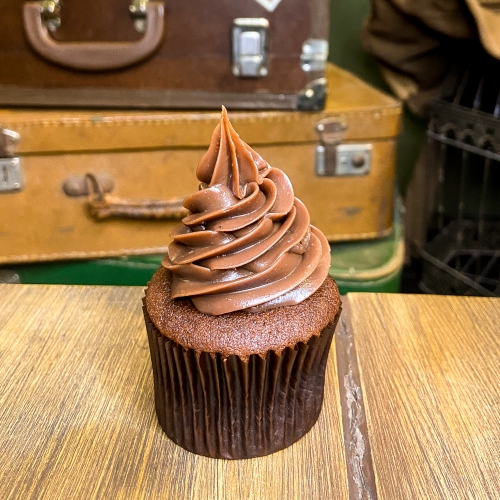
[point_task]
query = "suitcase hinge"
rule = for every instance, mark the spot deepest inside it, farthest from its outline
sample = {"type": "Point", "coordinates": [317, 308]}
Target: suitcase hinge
{"type": "Point", "coordinates": [250, 46]}
{"type": "Point", "coordinates": [137, 10]}
{"type": "Point", "coordinates": [50, 11]}
{"type": "Point", "coordinates": [11, 175]}
{"type": "Point", "coordinates": [314, 55]}
{"type": "Point", "coordinates": [336, 159]}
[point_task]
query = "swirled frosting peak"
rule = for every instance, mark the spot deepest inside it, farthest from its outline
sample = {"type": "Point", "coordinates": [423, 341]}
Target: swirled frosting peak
{"type": "Point", "coordinates": [247, 243]}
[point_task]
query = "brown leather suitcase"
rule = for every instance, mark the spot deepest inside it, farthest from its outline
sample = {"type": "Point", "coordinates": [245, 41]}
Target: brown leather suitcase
{"type": "Point", "coordinates": [340, 160]}
{"type": "Point", "coordinates": [246, 54]}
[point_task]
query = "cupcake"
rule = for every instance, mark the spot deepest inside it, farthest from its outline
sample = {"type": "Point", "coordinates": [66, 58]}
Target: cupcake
{"type": "Point", "coordinates": [241, 314]}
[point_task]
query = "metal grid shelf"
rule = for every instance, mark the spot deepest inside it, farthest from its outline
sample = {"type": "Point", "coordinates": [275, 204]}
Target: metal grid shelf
{"type": "Point", "coordinates": [465, 268]}
{"type": "Point", "coordinates": [464, 257]}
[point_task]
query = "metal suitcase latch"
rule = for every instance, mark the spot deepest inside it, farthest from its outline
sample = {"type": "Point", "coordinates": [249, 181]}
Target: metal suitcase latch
{"type": "Point", "coordinates": [250, 46]}
{"type": "Point", "coordinates": [336, 159]}
{"type": "Point", "coordinates": [11, 175]}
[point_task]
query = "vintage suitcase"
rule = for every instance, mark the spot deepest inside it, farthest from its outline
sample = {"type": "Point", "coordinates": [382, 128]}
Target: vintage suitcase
{"type": "Point", "coordinates": [146, 53]}
{"type": "Point", "coordinates": [359, 266]}
{"type": "Point", "coordinates": [341, 162]}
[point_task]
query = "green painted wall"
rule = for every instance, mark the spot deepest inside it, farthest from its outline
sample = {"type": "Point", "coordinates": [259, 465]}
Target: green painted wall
{"type": "Point", "coordinates": [346, 51]}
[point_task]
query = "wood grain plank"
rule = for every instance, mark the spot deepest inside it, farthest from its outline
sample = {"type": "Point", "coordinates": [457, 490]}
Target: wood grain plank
{"type": "Point", "coordinates": [430, 371]}
{"type": "Point", "coordinates": [359, 463]}
{"type": "Point", "coordinates": [77, 412]}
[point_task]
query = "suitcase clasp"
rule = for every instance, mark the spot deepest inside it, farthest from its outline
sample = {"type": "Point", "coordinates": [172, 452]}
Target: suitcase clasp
{"type": "Point", "coordinates": [250, 46]}
{"type": "Point", "coordinates": [11, 174]}
{"type": "Point", "coordinates": [336, 159]}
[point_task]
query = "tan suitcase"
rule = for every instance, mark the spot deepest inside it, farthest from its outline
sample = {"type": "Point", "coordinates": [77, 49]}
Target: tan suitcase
{"type": "Point", "coordinates": [340, 160]}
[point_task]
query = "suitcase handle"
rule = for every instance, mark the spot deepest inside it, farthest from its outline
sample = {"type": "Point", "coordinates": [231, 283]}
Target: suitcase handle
{"type": "Point", "coordinates": [90, 56]}
{"type": "Point", "coordinates": [103, 205]}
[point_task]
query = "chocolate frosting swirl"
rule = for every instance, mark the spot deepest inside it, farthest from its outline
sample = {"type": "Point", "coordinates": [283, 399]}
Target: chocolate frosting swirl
{"type": "Point", "coordinates": [248, 243]}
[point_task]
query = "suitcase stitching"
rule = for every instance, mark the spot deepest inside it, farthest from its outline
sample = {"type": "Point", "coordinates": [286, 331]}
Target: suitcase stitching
{"type": "Point", "coordinates": [85, 254]}
{"type": "Point", "coordinates": [121, 121]}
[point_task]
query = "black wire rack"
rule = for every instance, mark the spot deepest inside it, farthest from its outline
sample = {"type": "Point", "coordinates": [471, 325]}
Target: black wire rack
{"type": "Point", "coordinates": [463, 257]}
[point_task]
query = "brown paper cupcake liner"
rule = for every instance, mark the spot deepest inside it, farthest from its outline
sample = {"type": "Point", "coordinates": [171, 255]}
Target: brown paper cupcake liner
{"type": "Point", "coordinates": [233, 407]}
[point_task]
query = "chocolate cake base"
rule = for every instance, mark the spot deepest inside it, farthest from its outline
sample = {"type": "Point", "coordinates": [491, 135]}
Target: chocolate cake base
{"type": "Point", "coordinates": [241, 332]}
{"type": "Point", "coordinates": [238, 407]}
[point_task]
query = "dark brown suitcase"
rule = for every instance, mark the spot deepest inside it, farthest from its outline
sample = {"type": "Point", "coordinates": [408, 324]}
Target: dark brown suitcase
{"type": "Point", "coordinates": [181, 54]}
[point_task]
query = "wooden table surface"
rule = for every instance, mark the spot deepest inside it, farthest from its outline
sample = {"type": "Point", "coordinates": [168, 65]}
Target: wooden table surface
{"type": "Point", "coordinates": [412, 405]}
{"type": "Point", "coordinates": [77, 416]}
{"type": "Point", "coordinates": [430, 376]}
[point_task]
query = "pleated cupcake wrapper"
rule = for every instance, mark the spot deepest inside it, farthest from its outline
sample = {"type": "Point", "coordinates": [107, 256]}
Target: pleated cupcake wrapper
{"type": "Point", "coordinates": [234, 407]}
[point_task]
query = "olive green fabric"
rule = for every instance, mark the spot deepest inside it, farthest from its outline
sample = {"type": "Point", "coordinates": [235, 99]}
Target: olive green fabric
{"type": "Point", "coordinates": [118, 271]}
{"type": "Point", "coordinates": [387, 284]}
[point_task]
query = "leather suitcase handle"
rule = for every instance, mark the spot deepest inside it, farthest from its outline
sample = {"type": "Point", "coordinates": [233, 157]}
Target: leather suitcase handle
{"type": "Point", "coordinates": [103, 205]}
{"type": "Point", "coordinates": [89, 56]}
